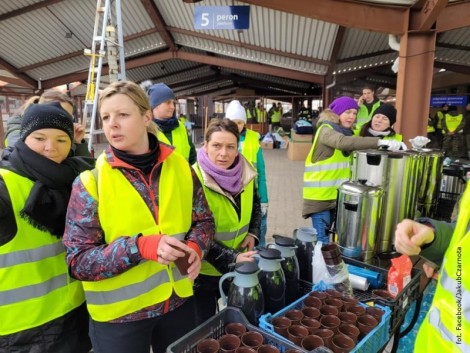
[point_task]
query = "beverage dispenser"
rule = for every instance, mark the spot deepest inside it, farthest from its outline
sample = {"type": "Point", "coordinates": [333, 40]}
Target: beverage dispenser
{"type": "Point", "coordinates": [358, 219]}
{"type": "Point", "coordinates": [397, 174]}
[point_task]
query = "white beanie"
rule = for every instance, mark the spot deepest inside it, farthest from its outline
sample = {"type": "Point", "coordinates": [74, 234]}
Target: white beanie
{"type": "Point", "coordinates": [235, 111]}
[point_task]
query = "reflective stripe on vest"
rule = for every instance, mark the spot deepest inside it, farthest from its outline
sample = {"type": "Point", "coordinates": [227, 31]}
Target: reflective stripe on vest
{"type": "Point", "coordinates": [448, 320]}
{"type": "Point", "coordinates": [363, 114]}
{"type": "Point", "coordinates": [230, 231]}
{"type": "Point", "coordinates": [251, 147]}
{"type": "Point", "coordinates": [453, 122]}
{"type": "Point", "coordinates": [179, 137]}
{"type": "Point", "coordinates": [35, 285]}
{"type": "Point", "coordinates": [148, 283]}
{"type": "Point", "coordinates": [322, 179]}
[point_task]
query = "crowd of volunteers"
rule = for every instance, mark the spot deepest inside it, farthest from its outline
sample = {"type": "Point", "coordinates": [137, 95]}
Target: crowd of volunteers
{"type": "Point", "coordinates": [125, 252]}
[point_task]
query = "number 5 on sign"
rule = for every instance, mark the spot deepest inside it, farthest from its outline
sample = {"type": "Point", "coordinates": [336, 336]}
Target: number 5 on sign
{"type": "Point", "coordinates": [204, 19]}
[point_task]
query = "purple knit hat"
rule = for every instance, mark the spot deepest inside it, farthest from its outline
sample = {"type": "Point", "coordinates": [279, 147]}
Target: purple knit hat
{"type": "Point", "coordinates": [341, 104]}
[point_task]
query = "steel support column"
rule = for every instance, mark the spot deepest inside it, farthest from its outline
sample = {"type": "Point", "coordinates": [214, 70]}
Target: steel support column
{"type": "Point", "coordinates": [414, 82]}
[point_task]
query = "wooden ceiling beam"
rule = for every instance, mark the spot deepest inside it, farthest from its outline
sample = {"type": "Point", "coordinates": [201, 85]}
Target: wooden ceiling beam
{"type": "Point", "coordinates": [366, 16]}
{"type": "Point", "coordinates": [454, 16]}
{"type": "Point", "coordinates": [462, 69]}
{"type": "Point", "coordinates": [159, 23]}
{"type": "Point", "coordinates": [336, 49]}
{"type": "Point", "coordinates": [250, 67]}
{"type": "Point", "coordinates": [366, 56]}
{"type": "Point", "coordinates": [27, 81]}
{"type": "Point", "coordinates": [26, 9]}
{"type": "Point", "coordinates": [426, 17]}
{"type": "Point", "coordinates": [248, 46]}
{"type": "Point", "coordinates": [130, 64]}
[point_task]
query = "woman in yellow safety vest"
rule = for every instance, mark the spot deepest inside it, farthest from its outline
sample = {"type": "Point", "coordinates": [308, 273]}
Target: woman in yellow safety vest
{"type": "Point", "coordinates": [446, 325]}
{"type": "Point", "coordinates": [249, 146]}
{"type": "Point", "coordinates": [126, 225]}
{"type": "Point", "coordinates": [381, 124]}
{"type": "Point", "coordinates": [228, 182]}
{"type": "Point", "coordinates": [41, 308]}
{"type": "Point", "coordinates": [328, 163]}
{"type": "Point", "coordinates": [170, 130]}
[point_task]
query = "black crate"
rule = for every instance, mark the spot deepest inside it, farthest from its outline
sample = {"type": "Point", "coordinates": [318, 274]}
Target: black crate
{"type": "Point", "coordinates": [400, 304]}
{"type": "Point", "coordinates": [445, 205]}
{"type": "Point", "coordinates": [214, 328]}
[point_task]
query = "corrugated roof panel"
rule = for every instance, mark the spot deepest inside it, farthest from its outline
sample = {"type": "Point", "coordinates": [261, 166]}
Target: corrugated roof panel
{"type": "Point", "coordinates": [151, 42]}
{"type": "Point", "coordinates": [135, 47]}
{"type": "Point", "coordinates": [273, 79]}
{"type": "Point", "coordinates": [60, 68]}
{"type": "Point", "coordinates": [28, 33]}
{"type": "Point", "coordinates": [366, 63]}
{"type": "Point", "coordinates": [162, 71]}
{"type": "Point", "coordinates": [457, 37]}
{"type": "Point", "coordinates": [460, 57]}
{"type": "Point", "coordinates": [247, 54]}
{"type": "Point", "coordinates": [358, 42]}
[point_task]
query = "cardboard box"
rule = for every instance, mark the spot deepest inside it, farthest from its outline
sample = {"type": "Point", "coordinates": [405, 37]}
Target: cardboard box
{"type": "Point", "coordinates": [301, 138]}
{"type": "Point", "coordinates": [267, 145]}
{"type": "Point", "coordinates": [298, 151]}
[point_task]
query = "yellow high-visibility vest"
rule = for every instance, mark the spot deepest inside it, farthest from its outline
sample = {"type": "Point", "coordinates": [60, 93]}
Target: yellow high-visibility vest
{"type": "Point", "coordinates": [179, 138]}
{"type": "Point", "coordinates": [149, 282]}
{"type": "Point", "coordinates": [229, 230]}
{"type": "Point", "coordinates": [446, 326]}
{"type": "Point", "coordinates": [364, 116]}
{"type": "Point", "coordinates": [322, 179]}
{"type": "Point", "coordinates": [35, 285]}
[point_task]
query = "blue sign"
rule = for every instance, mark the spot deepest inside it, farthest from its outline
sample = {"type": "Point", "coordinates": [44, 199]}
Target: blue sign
{"type": "Point", "coordinates": [437, 101]}
{"type": "Point", "coordinates": [221, 17]}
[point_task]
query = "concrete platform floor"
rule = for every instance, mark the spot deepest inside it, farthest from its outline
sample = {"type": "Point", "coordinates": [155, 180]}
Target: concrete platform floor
{"type": "Point", "coordinates": [284, 179]}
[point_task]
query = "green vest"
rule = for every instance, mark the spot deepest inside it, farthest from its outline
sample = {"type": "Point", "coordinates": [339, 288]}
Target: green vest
{"type": "Point", "coordinates": [229, 230]}
{"type": "Point", "coordinates": [322, 179]}
{"type": "Point", "coordinates": [453, 122]}
{"type": "Point", "coordinates": [122, 211]}
{"type": "Point", "coordinates": [446, 326]}
{"type": "Point", "coordinates": [35, 287]}
{"type": "Point", "coordinates": [179, 137]}
{"type": "Point", "coordinates": [363, 115]}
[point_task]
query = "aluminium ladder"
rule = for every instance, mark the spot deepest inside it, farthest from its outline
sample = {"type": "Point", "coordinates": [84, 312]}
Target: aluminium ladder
{"type": "Point", "coordinates": [104, 42]}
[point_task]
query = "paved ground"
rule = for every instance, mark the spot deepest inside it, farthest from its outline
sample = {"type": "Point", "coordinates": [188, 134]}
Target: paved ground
{"type": "Point", "coordinates": [284, 178]}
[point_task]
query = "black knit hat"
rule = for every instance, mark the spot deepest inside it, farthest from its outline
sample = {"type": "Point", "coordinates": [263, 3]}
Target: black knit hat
{"type": "Point", "coordinates": [46, 116]}
{"type": "Point", "coordinates": [389, 111]}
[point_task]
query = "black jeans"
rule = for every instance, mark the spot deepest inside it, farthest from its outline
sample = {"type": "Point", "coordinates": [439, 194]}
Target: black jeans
{"type": "Point", "coordinates": [206, 294]}
{"type": "Point", "coordinates": [138, 336]}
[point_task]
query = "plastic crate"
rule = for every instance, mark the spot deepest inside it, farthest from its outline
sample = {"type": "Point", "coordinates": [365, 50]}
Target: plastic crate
{"type": "Point", "coordinates": [371, 343]}
{"type": "Point", "coordinates": [400, 304]}
{"type": "Point", "coordinates": [214, 328]}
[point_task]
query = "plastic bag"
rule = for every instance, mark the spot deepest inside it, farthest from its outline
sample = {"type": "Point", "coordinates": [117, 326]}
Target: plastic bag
{"type": "Point", "coordinates": [319, 271]}
{"type": "Point", "coordinates": [336, 276]}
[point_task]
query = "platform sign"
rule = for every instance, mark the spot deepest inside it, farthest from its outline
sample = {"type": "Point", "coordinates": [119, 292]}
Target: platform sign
{"type": "Point", "coordinates": [221, 17]}
{"type": "Point", "coordinates": [438, 101]}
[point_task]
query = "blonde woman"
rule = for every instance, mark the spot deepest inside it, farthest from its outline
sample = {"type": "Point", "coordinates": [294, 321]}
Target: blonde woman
{"type": "Point", "coordinates": [141, 210]}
